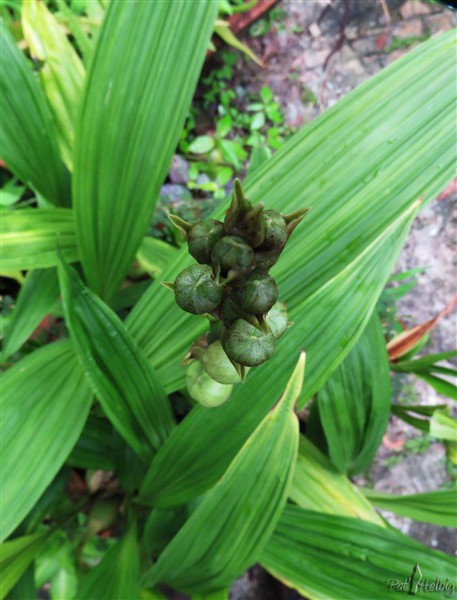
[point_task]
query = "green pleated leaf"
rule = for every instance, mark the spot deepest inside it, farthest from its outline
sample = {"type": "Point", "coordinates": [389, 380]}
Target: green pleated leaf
{"type": "Point", "coordinates": [327, 556]}
{"type": "Point", "coordinates": [15, 557]}
{"type": "Point", "coordinates": [117, 577]}
{"type": "Point", "coordinates": [184, 468]}
{"type": "Point", "coordinates": [94, 449]}
{"type": "Point", "coordinates": [318, 485]}
{"type": "Point", "coordinates": [36, 298]}
{"type": "Point", "coordinates": [226, 532]}
{"type": "Point", "coordinates": [61, 74]}
{"type": "Point", "coordinates": [44, 405]}
{"type": "Point", "coordinates": [121, 377]}
{"type": "Point", "coordinates": [29, 133]}
{"type": "Point", "coordinates": [29, 238]}
{"type": "Point", "coordinates": [139, 88]}
{"type": "Point", "coordinates": [155, 255]}
{"type": "Point", "coordinates": [354, 404]}
{"type": "Point", "coordinates": [437, 507]}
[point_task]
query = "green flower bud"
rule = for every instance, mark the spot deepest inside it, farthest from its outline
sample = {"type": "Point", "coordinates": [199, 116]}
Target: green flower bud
{"type": "Point", "coordinates": [243, 219]}
{"type": "Point", "coordinates": [202, 237]}
{"type": "Point", "coordinates": [257, 294]}
{"type": "Point", "coordinates": [232, 252]}
{"type": "Point", "coordinates": [196, 290]}
{"type": "Point", "coordinates": [265, 259]}
{"type": "Point", "coordinates": [247, 345]}
{"type": "Point", "coordinates": [218, 365]}
{"type": "Point", "coordinates": [277, 319]}
{"type": "Point", "coordinates": [203, 389]}
{"type": "Point", "coordinates": [275, 231]}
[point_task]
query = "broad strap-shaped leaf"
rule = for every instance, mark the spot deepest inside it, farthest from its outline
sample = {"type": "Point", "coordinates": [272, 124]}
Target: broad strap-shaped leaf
{"type": "Point", "coordinates": [121, 377]}
{"type": "Point", "coordinates": [408, 152]}
{"type": "Point", "coordinates": [327, 556]}
{"type": "Point", "coordinates": [44, 397]}
{"type": "Point", "coordinates": [184, 467]}
{"type": "Point", "coordinates": [437, 507]}
{"type": "Point", "coordinates": [318, 485]}
{"type": "Point", "coordinates": [118, 574]}
{"type": "Point", "coordinates": [29, 238]}
{"type": "Point", "coordinates": [227, 531]}
{"type": "Point", "coordinates": [353, 407]}
{"type": "Point", "coordinates": [36, 298]}
{"type": "Point", "coordinates": [138, 90]}
{"type": "Point", "coordinates": [15, 556]}
{"type": "Point", "coordinates": [29, 133]}
{"type": "Point", "coordinates": [61, 74]}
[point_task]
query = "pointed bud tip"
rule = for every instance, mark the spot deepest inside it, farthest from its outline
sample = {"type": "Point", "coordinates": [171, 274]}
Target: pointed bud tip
{"type": "Point", "coordinates": [180, 224]}
{"type": "Point", "coordinates": [169, 285]}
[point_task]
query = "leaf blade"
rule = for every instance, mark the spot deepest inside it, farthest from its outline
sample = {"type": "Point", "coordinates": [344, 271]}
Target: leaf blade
{"type": "Point", "coordinates": [29, 145]}
{"type": "Point", "coordinates": [115, 193]}
{"type": "Point", "coordinates": [124, 382]}
{"type": "Point", "coordinates": [44, 397]}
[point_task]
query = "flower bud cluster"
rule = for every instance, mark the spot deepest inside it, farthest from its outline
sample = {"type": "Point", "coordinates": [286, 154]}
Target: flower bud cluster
{"type": "Point", "coordinates": [231, 285]}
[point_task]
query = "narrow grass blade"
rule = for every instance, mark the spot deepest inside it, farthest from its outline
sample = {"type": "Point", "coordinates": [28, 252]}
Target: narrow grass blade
{"type": "Point", "coordinates": [36, 298]}
{"type": "Point", "coordinates": [317, 485]}
{"type": "Point", "coordinates": [44, 397]}
{"type": "Point", "coordinates": [354, 405]}
{"type": "Point", "coordinates": [140, 84]}
{"type": "Point", "coordinates": [437, 507]}
{"type": "Point", "coordinates": [326, 556]}
{"type": "Point", "coordinates": [29, 238]}
{"type": "Point", "coordinates": [442, 386]}
{"type": "Point", "coordinates": [29, 133]}
{"type": "Point", "coordinates": [61, 73]}
{"type": "Point", "coordinates": [118, 574]}
{"type": "Point", "coordinates": [15, 556]}
{"type": "Point", "coordinates": [227, 531]}
{"type": "Point", "coordinates": [122, 379]}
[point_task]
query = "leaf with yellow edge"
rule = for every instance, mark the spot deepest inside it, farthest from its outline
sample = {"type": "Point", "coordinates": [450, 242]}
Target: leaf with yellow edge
{"type": "Point", "coordinates": [318, 485]}
{"type": "Point", "coordinates": [61, 74]}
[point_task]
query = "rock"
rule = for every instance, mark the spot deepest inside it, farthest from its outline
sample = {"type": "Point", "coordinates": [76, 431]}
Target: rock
{"type": "Point", "coordinates": [407, 29]}
{"type": "Point", "coordinates": [440, 22]}
{"type": "Point", "coordinates": [414, 9]}
{"type": "Point", "coordinates": [314, 30]}
{"type": "Point", "coordinates": [174, 194]}
{"type": "Point", "coordinates": [315, 58]}
{"type": "Point", "coordinates": [366, 45]}
{"type": "Point", "coordinates": [179, 170]}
